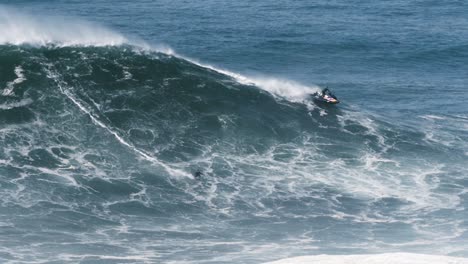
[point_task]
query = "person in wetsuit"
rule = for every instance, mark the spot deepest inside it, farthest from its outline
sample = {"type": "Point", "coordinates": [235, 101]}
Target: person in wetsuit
{"type": "Point", "coordinates": [325, 91]}
{"type": "Point", "coordinates": [198, 174]}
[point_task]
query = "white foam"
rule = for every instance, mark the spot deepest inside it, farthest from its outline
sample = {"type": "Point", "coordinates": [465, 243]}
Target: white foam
{"type": "Point", "coordinates": [8, 105]}
{"type": "Point", "coordinates": [388, 258]}
{"type": "Point", "coordinates": [432, 117]}
{"type": "Point", "coordinates": [127, 75]}
{"type": "Point", "coordinates": [18, 28]}
{"type": "Point", "coordinates": [75, 257]}
{"type": "Point", "coordinates": [290, 90]}
{"type": "Point", "coordinates": [11, 85]}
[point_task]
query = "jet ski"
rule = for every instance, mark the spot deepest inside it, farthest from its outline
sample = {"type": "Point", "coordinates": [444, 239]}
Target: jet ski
{"type": "Point", "coordinates": [325, 96]}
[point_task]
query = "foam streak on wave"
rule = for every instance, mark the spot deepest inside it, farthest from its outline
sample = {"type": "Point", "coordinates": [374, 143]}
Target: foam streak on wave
{"type": "Point", "coordinates": [290, 90]}
{"type": "Point", "coordinates": [61, 85]}
{"type": "Point", "coordinates": [11, 85]}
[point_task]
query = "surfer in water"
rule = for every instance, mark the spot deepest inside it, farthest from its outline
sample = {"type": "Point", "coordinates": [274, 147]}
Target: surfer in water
{"type": "Point", "coordinates": [198, 174]}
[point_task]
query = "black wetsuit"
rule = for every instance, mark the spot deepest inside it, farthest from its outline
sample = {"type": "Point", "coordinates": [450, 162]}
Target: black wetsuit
{"type": "Point", "coordinates": [325, 91]}
{"type": "Point", "coordinates": [198, 174]}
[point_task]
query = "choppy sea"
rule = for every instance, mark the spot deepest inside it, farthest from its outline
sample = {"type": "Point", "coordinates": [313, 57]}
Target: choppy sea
{"type": "Point", "coordinates": [184, 132]}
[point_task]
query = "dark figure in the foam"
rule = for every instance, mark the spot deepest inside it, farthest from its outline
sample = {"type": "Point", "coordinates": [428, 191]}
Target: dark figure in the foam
{"type": "Point", "coordinates": [198, 174]}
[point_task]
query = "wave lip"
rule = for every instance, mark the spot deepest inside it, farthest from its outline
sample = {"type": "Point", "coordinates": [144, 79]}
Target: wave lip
{"type": "Point", "coordinates": [18, 28]}
{"type": "Point", "coordinates": [387, 258]}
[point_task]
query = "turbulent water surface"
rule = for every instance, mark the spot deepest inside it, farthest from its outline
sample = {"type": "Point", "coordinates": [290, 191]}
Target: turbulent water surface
{"type": "Point", "coordinates": [102, 131]}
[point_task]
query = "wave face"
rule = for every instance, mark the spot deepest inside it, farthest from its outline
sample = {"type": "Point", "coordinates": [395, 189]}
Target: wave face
{"type": "Point", "coordinates": [100, 142]}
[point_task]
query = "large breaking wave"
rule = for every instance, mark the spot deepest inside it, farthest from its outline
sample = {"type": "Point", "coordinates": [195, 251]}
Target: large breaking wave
{"type": "Point", "coordinates": [100, 137]}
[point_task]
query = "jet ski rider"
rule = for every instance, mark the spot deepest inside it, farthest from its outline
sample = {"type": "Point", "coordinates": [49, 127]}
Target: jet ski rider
{"type": "Point", "coordinates": [325, 91]}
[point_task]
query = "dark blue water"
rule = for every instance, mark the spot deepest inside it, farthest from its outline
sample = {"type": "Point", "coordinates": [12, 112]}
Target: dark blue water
{"type": "Point", "coordinates": [109, 108]}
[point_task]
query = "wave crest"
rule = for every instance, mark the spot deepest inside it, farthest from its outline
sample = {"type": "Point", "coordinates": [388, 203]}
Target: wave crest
{"type": "Point", "coordinates": [18, 28]}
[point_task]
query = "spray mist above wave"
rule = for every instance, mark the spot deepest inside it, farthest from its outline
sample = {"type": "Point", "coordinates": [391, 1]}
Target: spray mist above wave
{"type": "Point", "coordinates": [17, 28]}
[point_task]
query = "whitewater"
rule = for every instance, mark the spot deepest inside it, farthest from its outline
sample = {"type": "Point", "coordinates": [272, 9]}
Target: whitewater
{"type": "Point", "coordinates": [102, 134]}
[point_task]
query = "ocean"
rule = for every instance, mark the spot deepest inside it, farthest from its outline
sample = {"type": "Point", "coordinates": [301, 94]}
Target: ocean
{"type": "Point", "coordinates": [184, 131]}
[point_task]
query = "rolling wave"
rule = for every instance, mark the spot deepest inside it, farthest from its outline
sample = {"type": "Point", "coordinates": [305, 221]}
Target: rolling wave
{"type": "Point", "coordinates": [101, 137]}
{"type": "Point", "coordinates": [20, 28]}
